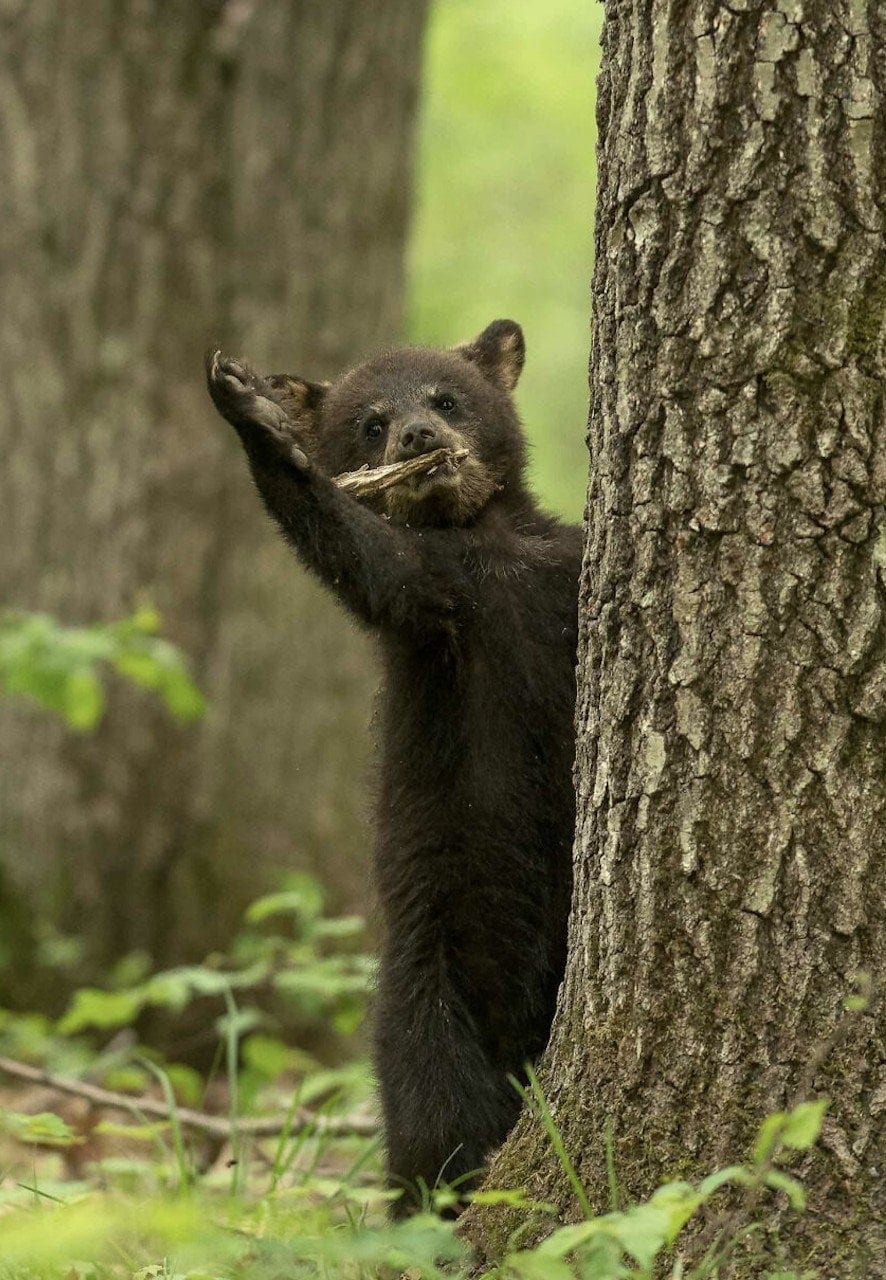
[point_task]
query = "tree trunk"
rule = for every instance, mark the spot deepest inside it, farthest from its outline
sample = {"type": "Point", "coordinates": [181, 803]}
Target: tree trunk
{"type": "Point", "coordinates": [731, 722]}
{"type": "Point", "coordinates": [173, 175]}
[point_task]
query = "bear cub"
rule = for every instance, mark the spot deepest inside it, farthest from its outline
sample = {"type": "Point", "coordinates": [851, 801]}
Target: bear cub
{"type": "Point", "coordinates": [472, 591]}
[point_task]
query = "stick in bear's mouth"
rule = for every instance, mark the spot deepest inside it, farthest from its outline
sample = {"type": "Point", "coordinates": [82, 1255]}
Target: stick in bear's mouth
{"type": "Point", "coordinates": [369, 481]}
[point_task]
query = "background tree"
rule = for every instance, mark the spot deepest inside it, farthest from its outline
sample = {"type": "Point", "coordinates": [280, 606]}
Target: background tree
{"type": "Point", "coordinates": [173, 175]}
{"type": "Point", "coordinates": [731, 764]}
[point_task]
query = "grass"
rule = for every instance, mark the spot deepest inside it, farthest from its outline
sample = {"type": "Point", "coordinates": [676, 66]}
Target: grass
{"type": "Point", "coordinates": [304, 1205]}
{"type": "Point", "coordinates": [84, 1196]}
{"type": "Point", "coordinates": [313, 1206]}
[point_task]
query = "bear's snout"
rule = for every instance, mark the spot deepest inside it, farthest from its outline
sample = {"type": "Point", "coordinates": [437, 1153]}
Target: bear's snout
{"type": "Point", "coordinates": [418, 437]}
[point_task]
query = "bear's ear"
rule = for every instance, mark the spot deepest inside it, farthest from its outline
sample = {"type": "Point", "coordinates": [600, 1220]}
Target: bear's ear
{"type": "Point", "coordinates": [499, 352]}
{"type": "Point", "coordinates": [300, 398]}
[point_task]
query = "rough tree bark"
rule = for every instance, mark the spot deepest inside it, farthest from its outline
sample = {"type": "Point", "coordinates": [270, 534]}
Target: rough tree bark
{"type": "Point", "coordinates": [731, 757]}
{"type": "Point", "coordinates": [176, 174]}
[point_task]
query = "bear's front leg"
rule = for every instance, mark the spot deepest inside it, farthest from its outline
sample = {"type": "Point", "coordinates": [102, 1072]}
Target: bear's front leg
{"type": "Point", "coordinates": [252, 405]}
{"type": "Point", "coordinates": [375, 569]}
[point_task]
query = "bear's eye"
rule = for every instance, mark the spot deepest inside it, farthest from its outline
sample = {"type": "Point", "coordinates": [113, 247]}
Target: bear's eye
{"type": "Point", "coordinates": [373, 427]}
{"type": "Point", "coordinates": [444, 403]}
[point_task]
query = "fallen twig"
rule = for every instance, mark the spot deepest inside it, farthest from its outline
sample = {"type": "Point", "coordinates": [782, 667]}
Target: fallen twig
{"type": "Point", "coordinates": [368, 481]}
{"type": "Point", "coordinates": [216, 1126]}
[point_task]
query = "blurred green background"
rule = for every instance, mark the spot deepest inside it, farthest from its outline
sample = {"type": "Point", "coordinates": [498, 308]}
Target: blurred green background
{"type": "Point", "coordinates": [505, 194]}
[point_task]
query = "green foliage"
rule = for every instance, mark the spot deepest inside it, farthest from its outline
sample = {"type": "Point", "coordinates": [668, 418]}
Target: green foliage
{"type": "Point", "coordinates": [62, 667]}
{"type": "Point", "coordinates": [306, 1221]}
{"type": "Point", "coordinates": [182, 1160]}
{"type": "Point", "coordinates": [307, 958]}
{"type": "Point", "coordinates": [638, 1242]}
{"type": "Point", "coordinates": [44, 1128]}
{"type": "Point", "coordinates": [308, 1204]}
{"type": "Point", "coordinates": [304, 1202]}
{"type": "Point", "coordinates": [536, 1102]}
{"type": "Point", "coordinates": [115, 1235]}
{"type": "Point", "coordinates": [796, 1130]}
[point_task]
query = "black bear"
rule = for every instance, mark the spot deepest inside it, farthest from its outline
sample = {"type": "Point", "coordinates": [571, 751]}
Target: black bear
{"type": "Point", "coordinates": [472, 591]}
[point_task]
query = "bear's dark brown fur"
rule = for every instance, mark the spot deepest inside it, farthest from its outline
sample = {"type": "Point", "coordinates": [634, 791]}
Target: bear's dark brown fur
{"type": "Point", "coordinates": [472, 591]}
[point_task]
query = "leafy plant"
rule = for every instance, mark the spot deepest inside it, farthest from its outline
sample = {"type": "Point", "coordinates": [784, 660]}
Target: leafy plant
{"type": "Point", "coordinates": [44, 1128]}
{"type": "Point", "coordinates": [307, 1199]}
{"type": "Point", "coordinates": [62, 667]}
{"type": "Point", "coordinates": [632, 1244]}
{"type": "Point", "coordinates": [310, 1222]}
{"type": "Point", "coordinates": [306, 958]}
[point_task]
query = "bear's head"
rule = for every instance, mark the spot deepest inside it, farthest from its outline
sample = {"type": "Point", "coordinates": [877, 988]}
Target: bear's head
{"type": "Point", "coordinates": [413, 400]}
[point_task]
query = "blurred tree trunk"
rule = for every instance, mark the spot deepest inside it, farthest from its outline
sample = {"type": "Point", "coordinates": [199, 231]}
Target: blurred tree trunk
{"type": "Point", "coordinates": [176, 174]}
{"type": "Point", "coordinates": [731, 758]}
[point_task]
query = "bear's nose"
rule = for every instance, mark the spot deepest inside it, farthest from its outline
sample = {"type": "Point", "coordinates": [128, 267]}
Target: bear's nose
{"type": "Point", "coordinates": [416, 438]}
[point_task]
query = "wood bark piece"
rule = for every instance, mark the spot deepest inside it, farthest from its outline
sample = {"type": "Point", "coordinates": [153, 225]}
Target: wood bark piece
{"type": "Point", "coordinates": [215, 1126]}
{"type": "Point", "coordinates": [367, 482]}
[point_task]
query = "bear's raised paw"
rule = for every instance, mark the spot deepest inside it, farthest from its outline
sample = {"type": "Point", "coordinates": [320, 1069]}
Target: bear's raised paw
{"type": "Point", "coordinates": [252, 405]}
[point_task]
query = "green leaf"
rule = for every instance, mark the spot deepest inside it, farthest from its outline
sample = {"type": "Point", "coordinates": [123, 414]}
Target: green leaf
{"type": "Point", "coordinates": [349, 1015]}
{"type": "Point", "coordinates": [183, 699]}
{"type": "Point", "coordinates": [267, 1055]}
{"type": "Point", "coordinates": [768, 1136]}
{"type": "Point", "coordinates": [303, 897]}
{"type": "Point", "coordinates": [642, 1231]}
{"type": "Point", "coordinates": [735, 1173]}
{"type": "Point", "coordinates": [84, 701]}
{"type": "Point", "coordinates": [60, 667]}
{"type": "Point", "coordinates": [92, 1008]}
{"type": "Point", "coordinates": [532, 1264]}
{"type": "Point", "coordinates": [45, 1128]}
{"type": "Point", "coordinates": [132, 1132]}
{"type": "Point", "coordinates": [328, 1080]}
{"type": "Point", "coordinates": [130, 970]}
{"type": "Point", "coordinates": [139, 666]}
{"type": "Point", "coordinates": [679, 1200]}
{"type": "Point", "coordinates": [175, 988]}
{"type": "Point", "coordinates": [566, 1240]}
{"type": "Point", "coordinates": [340, 927]}
{"type": "Point", "coordinates": [803, 1125]}
{"type": "Point", "coordinates": [155, 664]}
{"type": "Point", "coordinates": [187, 1083]}
{"type": "Point", "coordinates": [126, 1078]}
{"type": "Point", "coordinates": [146, 619]}
{"type": "Point", "coordinates": [326, 979]}
{"type": "Point", "coordinates": [238, 1022]}
{"type": "Point", "coordinates": [780, 1181]}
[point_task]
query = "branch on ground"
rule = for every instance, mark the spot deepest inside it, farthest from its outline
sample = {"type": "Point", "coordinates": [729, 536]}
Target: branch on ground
{"type": "Point", "coordinates": [216, 1126]}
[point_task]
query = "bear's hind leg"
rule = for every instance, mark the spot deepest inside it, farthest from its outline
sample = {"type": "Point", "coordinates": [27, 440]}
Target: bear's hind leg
{"type": "Point", "coordinates": [446, 1106]}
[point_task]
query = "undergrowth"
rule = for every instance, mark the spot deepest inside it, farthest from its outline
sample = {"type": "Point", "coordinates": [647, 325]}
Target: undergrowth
{"type": "Point", "coordinates": [118, 1164]}
{"type": "Point", "coordinates": [91, 1193]}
